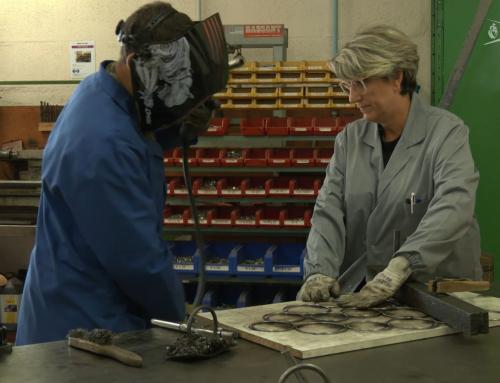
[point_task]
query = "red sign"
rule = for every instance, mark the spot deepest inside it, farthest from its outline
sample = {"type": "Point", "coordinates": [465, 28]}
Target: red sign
{"type": "Point", "coordinates": [263, 30]}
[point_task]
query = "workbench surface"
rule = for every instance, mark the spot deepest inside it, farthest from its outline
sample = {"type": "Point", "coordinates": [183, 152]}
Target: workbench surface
{"type": "Point", "coordinates": [453, 358]}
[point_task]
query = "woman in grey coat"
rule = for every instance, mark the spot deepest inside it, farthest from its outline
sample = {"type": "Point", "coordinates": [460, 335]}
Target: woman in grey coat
{"type": "Point", "coordinates": [404, 166]}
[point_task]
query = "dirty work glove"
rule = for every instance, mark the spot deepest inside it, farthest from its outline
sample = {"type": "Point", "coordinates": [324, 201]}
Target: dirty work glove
{"type": "Point", "coordinates": [318, 288]}
{"type": "Point", "coordinates": [383, 286]}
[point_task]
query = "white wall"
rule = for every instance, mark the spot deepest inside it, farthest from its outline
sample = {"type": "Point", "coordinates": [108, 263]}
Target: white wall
{"type": "Point", "coordinates": [35, 34]}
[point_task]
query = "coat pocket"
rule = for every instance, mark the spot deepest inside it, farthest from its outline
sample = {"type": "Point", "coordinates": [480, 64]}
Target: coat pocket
{"type": "Point", "coordinates": [409, 221]}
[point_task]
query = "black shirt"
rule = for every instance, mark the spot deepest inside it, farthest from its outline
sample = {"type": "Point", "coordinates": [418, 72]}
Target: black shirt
{"type": "Point", "coordinates": [387, 146]}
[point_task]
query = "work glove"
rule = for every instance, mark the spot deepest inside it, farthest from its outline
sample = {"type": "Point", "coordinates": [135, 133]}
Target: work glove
{"type": "Point", "coordinates": [382, 287]}
{"type": "Point", "coordinates": [318, 288]}
{"type": "Point", "coordinates": [3, 280]}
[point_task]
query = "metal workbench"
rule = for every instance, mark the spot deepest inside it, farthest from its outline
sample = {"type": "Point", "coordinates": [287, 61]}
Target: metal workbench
{"type": "Point", "coordinates": [454, 359]}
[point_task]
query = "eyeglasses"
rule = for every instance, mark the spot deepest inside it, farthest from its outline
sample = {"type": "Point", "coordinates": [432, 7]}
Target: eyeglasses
{"type": "Point", "coordinates": [358, 86]}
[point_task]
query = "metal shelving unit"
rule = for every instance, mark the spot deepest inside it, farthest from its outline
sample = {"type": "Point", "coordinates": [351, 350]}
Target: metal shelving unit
{"type": "Point", "coordinates": [198, 169]}
{"type": "Point", "coordinates": [235, 231]}
{"type": "Point", "coordinates": [236, 280]}
{"type": "Point", "coordinates": [259, 139]}
{"type": "Point", "coordinates": [185, 201]}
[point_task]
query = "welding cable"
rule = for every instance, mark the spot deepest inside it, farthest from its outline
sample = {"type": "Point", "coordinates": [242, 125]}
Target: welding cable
{"type": "Point", "coordinates": [199, 236]}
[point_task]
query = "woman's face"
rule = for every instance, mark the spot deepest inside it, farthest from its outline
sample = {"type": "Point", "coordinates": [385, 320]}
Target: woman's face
{"type": "Point", "coordinates": [379, 100]}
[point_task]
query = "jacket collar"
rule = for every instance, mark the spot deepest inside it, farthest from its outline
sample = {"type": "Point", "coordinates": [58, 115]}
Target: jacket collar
{"type": "Point", "coordinates": [116, 91]}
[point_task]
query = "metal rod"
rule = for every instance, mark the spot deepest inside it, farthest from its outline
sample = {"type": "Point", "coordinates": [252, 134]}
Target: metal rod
{"type": "Point", "coordinates": [312, 367]}
{"type": "Point", "coordinates": [292, 362]}
{"type": "Point", "coordinates": [396, 242]}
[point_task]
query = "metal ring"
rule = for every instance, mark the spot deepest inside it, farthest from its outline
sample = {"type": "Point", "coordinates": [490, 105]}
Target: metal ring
{"type": "Point", "coordinates": [431, 321]}
{"type": "Point", "coordinates": [387, 313]}
{"type": "Point", "coordinates": [330, 317]}
{"type": "Point", "coordinates": [377, 313]}
{"type": "Point", "coordinates": [297, 367]}
{"type": "Point", "coordinates": [342, 328]}
{"type": "Point", "coordinates": [287, 308]}
{"type": "Point", "coordinates": [384, 326]}
{"type": "Point", "coordinates": [268, 317]}
{"type": "Point", "coordinates": [252, 326]}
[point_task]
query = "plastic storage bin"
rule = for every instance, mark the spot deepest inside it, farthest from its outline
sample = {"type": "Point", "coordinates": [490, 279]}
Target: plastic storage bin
{"type": "Point", "coordinates": [286, 294]}
{"type": "Point", "coordinates": [227, 158]}
{"type": "Point", "coordinates": [243, 103]}
{"type": "Point", "coordinates": [303, 157]}
{"type": "Point", "coordinates": [223, 251]}
{"type": "Point", "coordinates": [266, 93]}
{"type": "Point", "coordinates": [290, 78]}
{"type": "Point", "coordinates": [252, 126]}
{"type": "Point", "coordinates": [291, 103]}
{"type": "Point", "coordinates": [208, 157]}
{"type": "Point", "coordinates": [277, 126]}
{"type": "Point", "coordinates": [230, 187]}
{"type": "Point", "coordinates": [301, 127]}
{"type": "Point", "coordinates": [243, 92]}
{"type": "Point", "coordinates": [317, 77]}
{"type": "Point", "coordinates": [222, 217]}
{"type": "Point", "coordinates": [342, 122]}
{"type": "Point", "coordinates": [323, 156]}
{"type": "Point", "coordinates": [192, 161]}
{"type": "Point", "coordinates": [255, 158]}
{"type": "Point", "coordinates": [247, 216]}
{"type": "Point", "coordinates": [224, 93]}
{"type": "Point", "coordinates": [286, 260]}
{"type": "Point", "coordinates": [241, 78]}
{"type": "Point", "coordinates": [226, 103]}
{"type": "Point", "coordinates": [291, 92]}
{"type": "Point", "coordinates": [168, 158]}
{"type": "Point", "coordinates": [218, 127]}
{"type": "Point", "coordinates": [318, 91]}
{"type": "Point", "coordinates": [269, 66]}
{"type": "Point", "coordinates": [272, 217]}
{"type": "Point", "coordinates": [280, 157]}
{"type": "Point", "coordinates": [223, 298]}
{"type": "Point", "coordinates": [266, 103]}
{"type": "Point", "coordinates": [254, 187]}
{"type": "Point", "coordinates": [305, 187]}
{"type": "Point", "coordinates": [201, 190]}
{"type": "Point", "coordinates": [203, 220]}
{"type": "Point", "coordinates": [177, 187]}
{"type": "Point", "coordinates": [318, 103]}
{"type": "Point", "coordinates": [291, 66]}
{"type": "Point", "coordinates": [325, 126]}
{"type": "Point", "coordinates": [175, 216]}
{"type": "Point", "coordinates": [297, 217]}
{"type": "Point", "coordinates": [184, 249]}
{"type": "Point", "coordinates": [245, 68]}
{"type": "Point", "coordinates": [313, 66]}
{"type": "Point", "coordinates": [252, 252]}
{"type": "Point", "coordinates": [266, 78]}
{"type": "Point", "coordinates": [280, 187]}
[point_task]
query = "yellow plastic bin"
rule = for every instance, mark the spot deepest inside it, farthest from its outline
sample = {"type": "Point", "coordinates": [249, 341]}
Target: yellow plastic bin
{"type": "Point", "coordinates": [290, 77]}
{"type": "Point", "coordinates": [266, 77]}
{"type": "Point", "coordinates": [318, 103]}
{"type": "Point", "coordinates": [243, 92]}
{"type": "Point", "coordinates": [266, 103]}
{"type": "Point", "coordinates": [318, 77]}
{"type": "Point", "coordinates": [269, 66]}
{"type": "Point", "coordinates": [241, 78]}
{"type": "Point", "coordinates": [243, 103]}
{"type": "Point", "coordinates": [224, 93]}
{"type": "Point", "coordinates": [315, 66]}
{"type": "Point", "coordinates": [290, 66]}
{"type": "Point", "coordinates": [318, 91]}
{"type": "Point", "coordinates": [266, 93]}
{"type": "Point", "coordinates": [246, 68]}
{"type": "Point", "coordinates": [291, 92]}
{"type": "Point", "coordinates": [291, 103]}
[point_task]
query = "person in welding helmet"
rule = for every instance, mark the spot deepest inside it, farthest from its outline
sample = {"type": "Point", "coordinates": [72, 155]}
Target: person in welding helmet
{"type": "Point", "coordinates": [99, 260]}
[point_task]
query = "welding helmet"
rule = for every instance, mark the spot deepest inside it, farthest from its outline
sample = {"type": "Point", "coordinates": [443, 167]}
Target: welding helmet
{"type": "Point", "coordinates": [171, 78]}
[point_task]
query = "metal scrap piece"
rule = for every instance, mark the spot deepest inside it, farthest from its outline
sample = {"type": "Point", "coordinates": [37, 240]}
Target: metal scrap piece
{"type": "Point", "coordinates": [234, 154]}
{"type": "Point", "coordinates": [219, 260]}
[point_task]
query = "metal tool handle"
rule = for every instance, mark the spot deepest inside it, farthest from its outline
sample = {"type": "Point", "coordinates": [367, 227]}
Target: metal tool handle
{"type": "Point", "coordinates": [297, 367]}
{"type": "Point", "coordinates": [191, 320]}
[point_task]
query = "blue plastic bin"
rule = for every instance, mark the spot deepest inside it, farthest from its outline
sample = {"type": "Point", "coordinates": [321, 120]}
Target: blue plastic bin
{"type": "Point", "coordinates": [219, 250]}
{"type": "Point", "coordinates": [286, 260]}
{"type": "Point", "coordinates": [286, 294]}
{"type": "Point", "coordinates": [252, 251]}
{"type": "Point", "coordinates": [184, 249]}
{"type": "Point", "coordinates": [229, 295]}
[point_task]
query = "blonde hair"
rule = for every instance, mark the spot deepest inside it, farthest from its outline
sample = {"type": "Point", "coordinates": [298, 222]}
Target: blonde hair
{"type": "Point", "coordinates": [379, 51]}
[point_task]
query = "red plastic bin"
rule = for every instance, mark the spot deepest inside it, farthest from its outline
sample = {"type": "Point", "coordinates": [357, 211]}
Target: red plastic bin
{"type": "Point", "coordinates": [253, 126]}
{"type": "Point", "coordinates": [303, 157]}
{"type": "Point", "coordinates": [204, 222]}
{"type": "Point", "coordinates": [255, 187]}
{"type": "Point", "coordinates": [272, 217]}
{"type": "Point", "coordinates": [279, 187]}
{"type": "Point", "coordinates": [242, 212]}
{"type": "Point", "coordinates": [278, 126]}
{"type": "Point", "coordinates": [343, 121]}
{"type": "Point", "coordinates": [231, 162]}
{"type": "Point", "coordinates": [305, 187]}
{"type": "Point", "coordinates": [192, 161]}
{"type": "Point", "coordinates": [177, 187]}
{"type": "Point", "coordinates": [325, 126]}
{"type": "Point", "coordinates": [323, 157]}
{"type": "Point", "coordinates": [222, 216]}
{"type": "Point", "coordinates": [279, 157]}
{"type": "Point", "coordinates": [168, 158]}
{"type": "Point", "coordinates": [297, 217]}
{"type": "Point", "coordinates": [208, 157]}
{"type": "Point", "coordinates": [301, 127]}
{"type": "Point", "coordinates": [168, 180]}
{"type": "Point", "coordinates": [255, 158]}
{"type": "Point", "coordinates": [218, 127]}
{"type": "Point", "coordinates": [169, 211]}
{"type": "Point", "coordinates": [226, 187]}
{"type": "Point", "coordinates": [200, 191]}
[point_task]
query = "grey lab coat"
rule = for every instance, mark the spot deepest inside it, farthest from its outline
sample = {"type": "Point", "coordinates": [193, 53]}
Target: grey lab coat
{"type": "Point", "coordinates": [361, 203]}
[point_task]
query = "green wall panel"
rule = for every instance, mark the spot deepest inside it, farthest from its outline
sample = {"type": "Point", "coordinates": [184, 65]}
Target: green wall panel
{"type": "Point", "coordinates": [477, 102]}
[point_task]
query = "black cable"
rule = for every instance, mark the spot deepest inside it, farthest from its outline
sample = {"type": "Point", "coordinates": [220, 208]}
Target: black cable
{"type": "Point", "coordinates": [199, 236]}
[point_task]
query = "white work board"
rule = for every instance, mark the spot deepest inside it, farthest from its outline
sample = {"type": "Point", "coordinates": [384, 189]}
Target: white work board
{"type": "Point", "coordinates": [306, 346]}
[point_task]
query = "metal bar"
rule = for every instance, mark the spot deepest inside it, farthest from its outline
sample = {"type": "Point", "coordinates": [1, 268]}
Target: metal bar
{"type": "Point", "coordinates": [453, 311]}
{"type": "Point", "coordinates": [292, 362]}
{"type": "Point", "coordinates": [198, 169]}
{"type": "Point", "coordinates": [396, 242]}
{"type": "Point", "coordinates": [465, 54]}
{"type": "Point", "coordinates": [20, 184]}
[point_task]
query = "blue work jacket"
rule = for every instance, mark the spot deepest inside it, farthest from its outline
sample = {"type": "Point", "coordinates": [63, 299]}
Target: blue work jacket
{"type": "Point", "coordinates": [99, 260]}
